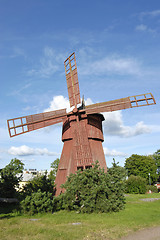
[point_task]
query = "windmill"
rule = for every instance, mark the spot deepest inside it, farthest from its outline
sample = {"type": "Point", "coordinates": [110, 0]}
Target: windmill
{"type": "Point", "coordinates": [82, 127]}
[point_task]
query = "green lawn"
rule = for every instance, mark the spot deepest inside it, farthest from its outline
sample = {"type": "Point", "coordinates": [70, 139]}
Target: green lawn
{"type": "Point", "coordinates": [70, 225]}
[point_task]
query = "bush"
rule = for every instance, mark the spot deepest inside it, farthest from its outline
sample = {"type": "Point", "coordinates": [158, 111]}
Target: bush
{"type": "Point", "coordinates": [42, 183]}
{"type": "Point", "coordinates": [38, 202]}
{"type": "Point", "coordinates": [92, 191]}
{"type": "Point", "coordinates": [152, 188]}
{"type": "Point", "coordinates": [139, 165]}
{"type": "Point", "coordinates": [136, 184]}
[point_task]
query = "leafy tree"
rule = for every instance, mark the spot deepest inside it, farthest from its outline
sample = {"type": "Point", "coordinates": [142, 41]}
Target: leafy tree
{"type": "Point", "coordinates": [42, 183]}
{"type": "Point", "coordinates": [54, 166]}
{"type": "Point", "coordinates": [136, 184]}
{"type": "Point", "coordinates": [156, 157]}
{"type": "Point", "coordinates": [8, 182]}
{"type": "Point", "coordinates": [139, 165]}
{"type": "Point", "coordinates": [118, 171]}
{"type": "Point", "coordinates": [9, 179]}
{"type": "Point", "coordinates": [93, 191]}
{"type": "Point", "coordinates": [16, 166]}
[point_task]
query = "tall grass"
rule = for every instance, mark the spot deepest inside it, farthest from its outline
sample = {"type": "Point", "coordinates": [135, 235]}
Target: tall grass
{"type": "Point", "coordinates": [70, 225]}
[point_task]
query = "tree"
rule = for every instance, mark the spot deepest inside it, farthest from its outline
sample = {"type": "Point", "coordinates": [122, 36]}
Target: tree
{"type": "Point", "coordinates": [54, 166]}
{"type": "Point", "coordinates": [156, 157]}
{"type": "Point", "coordinates": [9, 179]}
{"type": "Point", "coordinates": [16, 166]}
{"type": "Point", "coordinates": [42, 183]}
{"type": "Point", "coordinates": [92, 190]}
{"type": "Point", "coordinates": [117, 171]}
{"type": "Point", "coordinates": [144, 166]}
{"type": "Point", "coordinates": [136, 185]}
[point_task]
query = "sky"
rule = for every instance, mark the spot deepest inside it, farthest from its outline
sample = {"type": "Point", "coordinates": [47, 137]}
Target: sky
{"type": "Point", "coordinates": [117, 53]}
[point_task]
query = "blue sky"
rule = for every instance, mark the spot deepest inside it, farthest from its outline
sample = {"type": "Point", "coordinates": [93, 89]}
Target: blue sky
{"type": "Point", "coordinates": [117, 51]}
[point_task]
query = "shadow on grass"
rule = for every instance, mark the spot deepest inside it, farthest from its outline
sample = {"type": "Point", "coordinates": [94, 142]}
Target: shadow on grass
{"type": "Point", "coordinates": [7, 209]}
{"type": "Point", "coordinates": [6, 216]}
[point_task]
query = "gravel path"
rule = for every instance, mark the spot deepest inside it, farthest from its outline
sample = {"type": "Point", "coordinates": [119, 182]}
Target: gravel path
{"type": "Point", "coordinates": [146, 234]}
{"type": "Point", "coordinates": [149, 199]}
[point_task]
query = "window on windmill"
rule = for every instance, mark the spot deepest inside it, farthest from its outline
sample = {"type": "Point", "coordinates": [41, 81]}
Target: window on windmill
{"type": "Point", "coordinates": [11, 123]}
{"type": "Point", "coordinates": [134, 104]}
{"type": "Point", "coordinates": [25, 128]}
{"type": "Point", "coordinates": [12, 131]}
{"type": "Point", "coordinates": [24, 120]}
{"type": "Point", "coordinates": [73, 67]}
{"type": "Point", "coordinates": [19, 130]}
{"type": "Point", "coordinates": [142, 103]}
{"type": "Point", "coordinates": [17, 122]}
{"type": "Point", "coordinates": [80, 168]}
{"type": "Point", "coordinates": [150, 101]}
{"type": "Point", "coordinates": [88, 167]}
{"type": "Point", "coordinates": [140, 97]}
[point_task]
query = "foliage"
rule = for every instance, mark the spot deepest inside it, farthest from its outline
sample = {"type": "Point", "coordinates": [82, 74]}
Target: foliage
{"type": "Point", "coordinates": [53, 172]}
{"type": "Point", "coordinates": [42, 183]}
{"type": "Point", "coordinates": [8, 182]}
{"type": "Point", "coordinates": [152, 188]}
{"type": "Point", "coordinates": [117, 171]}
{"type": "Point", "coordinates": [54, 165]}
{"type": "Point", "coordinates": [136, 184]}
{"type": "Point", "coordinates": [38, 202]}
{"type": "Point", "coordinates": [139, 165]}
{"type": "Point", "coordinates": [15, 166]}
{"type": "Point", "coordinates": [156, 157]}
{"type": "Point", "coordinates": [93, 191]}
{"type": "Point", "coordinates": [9, 179]}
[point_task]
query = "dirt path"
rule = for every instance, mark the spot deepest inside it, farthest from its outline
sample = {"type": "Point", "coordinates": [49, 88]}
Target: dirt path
{"type": "Point", "coordinates": [146, 234]}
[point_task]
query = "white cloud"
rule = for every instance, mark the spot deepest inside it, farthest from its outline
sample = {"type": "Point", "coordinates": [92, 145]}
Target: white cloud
{"type": "Point", "coordinates": [49, 63]}
{"type": "Point", "coordinates": [144, 28]}
{"type": "Point", "coordinates": [20, 90]}
{"type": "Point", "coordinates": [113, 64]}
{"type": "Point", "coordinates": [141, 27]}
{"type": "Point", "coordinates": [88, 101]}
{"type": "Point", "coordinates": [146, 17]}
{"type": "Point", "coordinates": [113, 153]}
{"type": "Point", "coordinates": [25, 151]}
{"type": "Point", "coordinates": [18, 52]}
{"type": "Point", "coordinates": [154, 13]}
{"type": "Point", "coordinates": [113, 125]}
{"type": "Point", "coordinates": [58, 102]}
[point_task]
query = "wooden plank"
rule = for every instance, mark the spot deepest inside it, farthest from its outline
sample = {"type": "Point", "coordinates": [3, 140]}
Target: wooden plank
{"type": "Point", "coordinates": [72, 80]}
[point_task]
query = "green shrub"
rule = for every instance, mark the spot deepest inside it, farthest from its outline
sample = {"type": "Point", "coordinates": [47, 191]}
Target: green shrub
{"type": "Point", "coordinates": [38, 202]}
{"type": "Point", "coordinates": [42, 183]}
{"type": "Point", "coordinates": [93, 191]}
{"type": "Point", "coordinates": [152, 188]}
{"type": "Point", "coordinates": [139, 165]}
{"type": "Point", "coordinates": [136, 184]}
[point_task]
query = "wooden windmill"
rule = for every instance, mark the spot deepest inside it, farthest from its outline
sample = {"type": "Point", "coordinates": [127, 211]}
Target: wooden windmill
{"type": "Point", "coordinates": [82, 127]}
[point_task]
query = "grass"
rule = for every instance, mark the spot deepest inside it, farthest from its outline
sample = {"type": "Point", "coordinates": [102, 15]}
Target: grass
{"type": "Point", "coordinates": [70, 225]}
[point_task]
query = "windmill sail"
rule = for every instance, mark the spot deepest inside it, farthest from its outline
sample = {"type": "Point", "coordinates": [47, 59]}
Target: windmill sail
{"type": "Point", "coordinates": [123, 103]}
{"type": "Point", "coordinates": [17, 126]}
{"type": "Point", "coordinates": [72, 80]}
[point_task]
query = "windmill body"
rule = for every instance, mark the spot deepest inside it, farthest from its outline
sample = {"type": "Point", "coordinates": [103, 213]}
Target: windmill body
{"type": "Point", "coordinates": [82, 136]}
{"type": "Point", "coordinates": [82, 127]}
